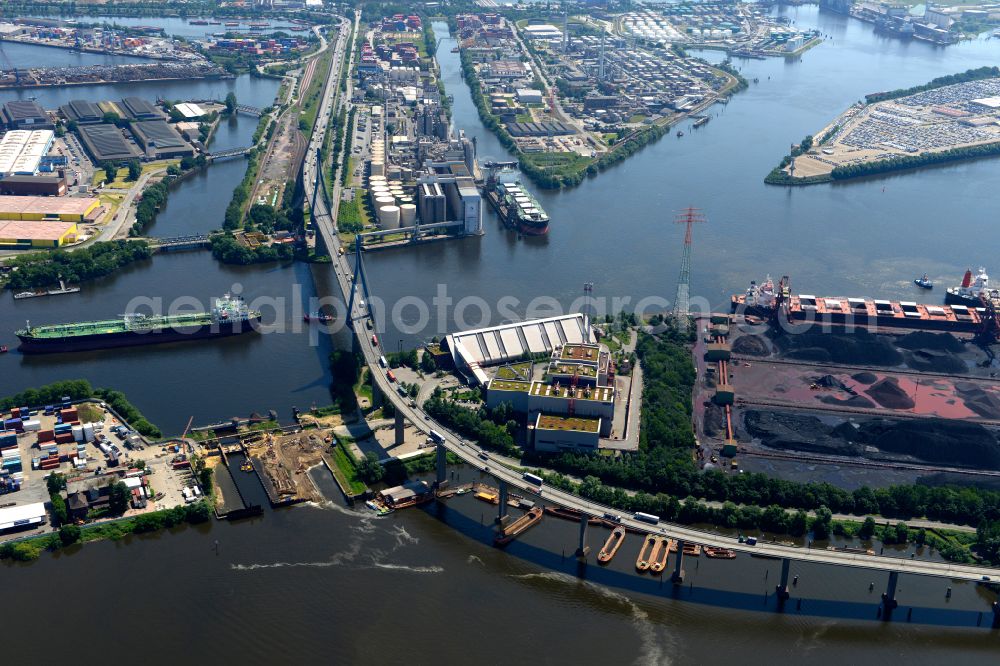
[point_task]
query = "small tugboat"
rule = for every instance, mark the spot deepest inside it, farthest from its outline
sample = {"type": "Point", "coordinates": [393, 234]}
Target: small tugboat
{"type": "Point", "coordinates": [680, 133]}
{"type": "Point", "coordinates": [924, 282]}
{"type": "Point", "coordinates": [3, 349]}
{"type": "Point", "coordinates": [319, 317]}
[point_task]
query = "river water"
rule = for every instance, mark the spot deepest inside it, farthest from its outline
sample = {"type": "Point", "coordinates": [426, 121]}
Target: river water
{"type": "Point", "coordinates": [330, 584]}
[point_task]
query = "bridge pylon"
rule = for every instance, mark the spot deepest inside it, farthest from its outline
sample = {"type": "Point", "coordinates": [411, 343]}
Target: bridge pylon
{"type": "Point", "coordinates": [359, 278]}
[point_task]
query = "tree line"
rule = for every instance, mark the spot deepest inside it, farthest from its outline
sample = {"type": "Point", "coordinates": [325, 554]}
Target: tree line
{"type": "Point", "coordinates": [940, 82]}
{"type": "Point", "coordinates": [42, 269]}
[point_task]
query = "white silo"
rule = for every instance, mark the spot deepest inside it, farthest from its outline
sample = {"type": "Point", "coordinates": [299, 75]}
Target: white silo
{"type": "Point", "coordinates": [407, 215]}
{"type": "Point", "coordinates": [388, 217]}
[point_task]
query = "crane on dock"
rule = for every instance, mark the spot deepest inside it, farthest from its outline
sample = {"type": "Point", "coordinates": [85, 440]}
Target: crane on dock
{"type": "Point", "coordinates": [688, 217]}
{"type": "Point", "coordinates": [10, 65]}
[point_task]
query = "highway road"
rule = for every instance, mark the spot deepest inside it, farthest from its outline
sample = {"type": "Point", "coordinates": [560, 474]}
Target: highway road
{"type": "Point", "coordinates": [470, 453]}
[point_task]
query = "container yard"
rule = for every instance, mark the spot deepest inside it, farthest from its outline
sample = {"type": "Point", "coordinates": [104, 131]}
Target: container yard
{"type": "Point", "coordinates": [92, 447]}
{"type": "Point", "coordinates": [40, 77]}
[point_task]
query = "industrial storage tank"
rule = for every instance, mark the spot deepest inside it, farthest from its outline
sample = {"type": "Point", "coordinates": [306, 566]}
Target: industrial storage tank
{"type": "Point", "coordinates": [388, 217]}
{"type": "Point", "coordinates": [407, 215]}
{"type": "Point", "coordinates": [384, 201]}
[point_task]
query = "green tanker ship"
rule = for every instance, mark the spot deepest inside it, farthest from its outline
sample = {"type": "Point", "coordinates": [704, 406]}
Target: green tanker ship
{"type": "Point", "coordinates": [229, 316]}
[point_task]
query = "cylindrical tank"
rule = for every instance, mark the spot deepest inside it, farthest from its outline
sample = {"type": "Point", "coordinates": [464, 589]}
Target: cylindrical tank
{"type": "Point", "coordinates": [377, 168]}
{"type": "Point", "coordinates": [388, 217]}
{"type": "Point", "coordinates": [405, 200]}
{"type": "Point", "coordinates": [407, 215]}
{"type": "Point", "coordinates": [384, 201]}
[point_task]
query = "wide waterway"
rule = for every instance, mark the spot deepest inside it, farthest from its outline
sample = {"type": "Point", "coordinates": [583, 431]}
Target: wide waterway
{"type": "Point", "coordinates": [420, 586]}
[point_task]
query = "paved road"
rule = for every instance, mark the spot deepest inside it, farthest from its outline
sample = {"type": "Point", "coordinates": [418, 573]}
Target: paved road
{"type": "Point", "coordinates": [470, 453]}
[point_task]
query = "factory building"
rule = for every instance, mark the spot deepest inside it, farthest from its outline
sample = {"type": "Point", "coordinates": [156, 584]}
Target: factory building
{"type": "Point", "coordinates": [23, 234]}
{"type": "Point", "coordinates": [554, 433]}
{"type": "Point", "coordinates": [107, 142]}
{"type": "Point", "coordinates": [573, 405]}
{"type": "Point", "coordinates": [63, 209]}
{"type": "Point", "coordinates": [53, 185]}
{"type": "Point", "coordinates": [81, 112]}
{"type": "Point", "coordinates": [452, 181]}
{"type": "Point", "coordinates": [160, 140]}
{"type": "Point", "coordinates": [21, 151]}
{"type": "Point", "coordinates": [26, 114]}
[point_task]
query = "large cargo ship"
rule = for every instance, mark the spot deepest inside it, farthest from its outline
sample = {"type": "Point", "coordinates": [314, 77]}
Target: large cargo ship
{"type": "Point", "coordinates": [765, 301]}
{"type": "Point", "coordinates": [229, 316]}
{"type": "Point", "coordinates": [972, 290]}
{"type": "Point", "coordinates": [523, 210]}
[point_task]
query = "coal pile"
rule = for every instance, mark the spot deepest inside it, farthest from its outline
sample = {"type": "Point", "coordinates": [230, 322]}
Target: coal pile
{"type": "Point", "coordinates": [940, 441]}
{"type": "Point", "coordinates": [859, 348]}
{"type": "Point", "coordinates": [984, 403]}
{"type": "Point", "coordinates": [865, 378]}
{"type": "Point", "coordinates": [854, 402]}
{"type": "Point", "coordinates": [926, 341]}
{"type": "Point", "coordinates": [715, 420]}
{"type": "Point", "coordinates": [751, 345]}
{"type": "Point", "coordinates": [941, 362]}
{"type": "Point", "coordinates": [888, 394]}
{"type": "Point", "coordinates": [797, 432]}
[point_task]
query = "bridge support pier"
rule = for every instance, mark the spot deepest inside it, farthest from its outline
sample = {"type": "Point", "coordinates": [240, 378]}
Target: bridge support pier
{"type": "Point", "coordinates": [442, 462]}
{"type": "Point", "coordinates": [889, 602]}
{"type": "Point", "coordinates": [996, 615]}
{"type": "Point", "coordinates": [781, 589]}
{"type": "Point", "coordinates": [502, 510]}
{"type": "Point", "coordinates": [400, 426]}
{"type": "Point", "coordinates": [376, 391]}
{"type": "Point", "coordinates": [583, 549]}
{"type": "Point", "coordinates": [677, 578]}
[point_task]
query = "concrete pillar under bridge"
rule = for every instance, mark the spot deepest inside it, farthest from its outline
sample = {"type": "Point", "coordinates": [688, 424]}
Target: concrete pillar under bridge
{"type": "Point", "coordinates": [677, 577]}
{"type": "Point", "coordinates": [442, 463]}
{"type": "Point", "coordinates": [781, 589]}
{"type": "Point", "coordinates": [582, 548]}
{"type": "Point", "coordinates": [502, 509]}
{"type": "Point", "coordinates": [400, 428]}
{"type": "Point", "coordinates": [377, 396]}
{"type": "Point", "coordinates": [889, 602]}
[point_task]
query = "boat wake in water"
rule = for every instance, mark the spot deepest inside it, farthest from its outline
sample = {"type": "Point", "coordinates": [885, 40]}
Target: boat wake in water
{"type": "Point", "coordinates": [657, 645]}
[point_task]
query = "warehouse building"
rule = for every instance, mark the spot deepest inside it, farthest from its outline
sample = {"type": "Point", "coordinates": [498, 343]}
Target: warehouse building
{"type": "Point", "coordinates": [139, 109]}
{"type": "Point", "coordinates": [190, 110]}
{"type": "Point", "coordinates": [471, 350]}
{"type": "Point", "coordinates": [107, 142]}
{"type": "Point", "coordinates": [46, 185]}
{"type": "Point", "coordinates": [82, 112]}
{"type": "Point", "coordinates": [26, 114]}
{"type": "Point", "coordinates": [160, 140]}
{"type": "Point", "coordinates": [63, 209]}
{"type": "Point", "coordinates": [24, 516]}
{"type": "Point", "coordinates": [20, 234]}
{"type": "Point", "coordinates": [21, 151]}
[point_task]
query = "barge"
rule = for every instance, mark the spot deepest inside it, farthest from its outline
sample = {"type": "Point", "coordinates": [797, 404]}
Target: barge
{"type": "Point", "coordinates": [519, 526]}
{"type": "Point", "coordinates": [612, 545]}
